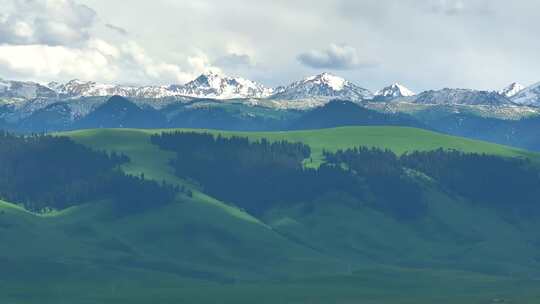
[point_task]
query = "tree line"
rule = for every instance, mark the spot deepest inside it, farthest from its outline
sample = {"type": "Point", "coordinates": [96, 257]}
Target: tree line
{"type": "Point", "coordinates": [51, 172]}
{"type": "Point", "coordinates": [512, 184]}
{"type": "Point", "coordinates": [259, 175]}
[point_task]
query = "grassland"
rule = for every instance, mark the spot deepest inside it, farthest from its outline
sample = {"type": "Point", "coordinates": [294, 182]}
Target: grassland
{"type": "Point", "coordinates": [369, 286]}
{"type": "Point", "coordinates": [199, 250]}
{"type": "Point", "coordinates": [398, 139]}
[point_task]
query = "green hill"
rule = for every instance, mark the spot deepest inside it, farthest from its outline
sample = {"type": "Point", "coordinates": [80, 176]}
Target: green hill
{"type": "Point", "coordinates": [135, 142]}
{"type": "Point", "coordinates": [200, 249]}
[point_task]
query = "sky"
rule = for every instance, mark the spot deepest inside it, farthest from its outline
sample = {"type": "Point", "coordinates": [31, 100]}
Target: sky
{"type": "Point", "coordinates": [423, 44]}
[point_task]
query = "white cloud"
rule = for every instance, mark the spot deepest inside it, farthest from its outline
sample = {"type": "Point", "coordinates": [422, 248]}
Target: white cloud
{"type": "Point", "coordinates": [461, 7]}
{"type": "Point", "coordinates": [449, 7]}
{"type": "Point", "coordinates": [200, 63]}
{"type": "Point", "coordinates": [51, 62]}
{"type": "Point", "coordinates": [97, 60]}
{"type": "Point", "coordinates": [336, 57]}
{"type": "Point", "coordinates": [134, 60]}
{"type": "Point", "coordinates": [234, 60]}
{"type": "Point", "coordinates": [48, 40]}
{"type": "Point", "coordinates": [49, 22]}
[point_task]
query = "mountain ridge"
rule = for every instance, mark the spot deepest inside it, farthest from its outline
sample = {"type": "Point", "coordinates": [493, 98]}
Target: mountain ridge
{"type": "Point", "coordinates": [322, 86]}
{"type": "Point", "coordinates": [309, 92]}
{"type": "Point", "coordinates": [528, 96]}
{"type": "Point", "coordinates": [222, 100]}
{"type": "Point", "coordinates": [393, 91]}
{"type": "Point", "coordinates": [512, 89]}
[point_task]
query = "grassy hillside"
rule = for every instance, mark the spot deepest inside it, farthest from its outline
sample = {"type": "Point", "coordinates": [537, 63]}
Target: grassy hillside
{"type": "Point", "coordinates": [199, 250]}
{"type": "Point", "coordinates": [397, 139]}
{"type": "Point", "coordinates": [83, 256]}
{"type": "Point", "coordinates": [448, 219]}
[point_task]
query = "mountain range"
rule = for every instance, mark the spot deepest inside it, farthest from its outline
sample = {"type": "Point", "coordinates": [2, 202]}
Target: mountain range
{"type": "Point", "coordinates": [510, 116]}
{"type": "Point", "coordinates": [322, 87]}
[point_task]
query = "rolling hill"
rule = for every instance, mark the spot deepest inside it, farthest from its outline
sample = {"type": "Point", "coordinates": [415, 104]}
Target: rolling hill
{"type": "Point", "coordinates": [135, 142]}
{"type": "Point", "coordinates": [198, 248]}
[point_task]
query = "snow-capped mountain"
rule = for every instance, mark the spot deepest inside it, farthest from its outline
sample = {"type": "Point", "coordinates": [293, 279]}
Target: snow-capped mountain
{"type": "Point", "coordinates": [462, 97]}
{"type": "Point", "coordinates": [21, 99]}
{"type": "Point", "coordinates": [322, 87]}
{"type": "Point", "coordinates": [77, 88]}
{"type": "Point", "coordinates": [24, 90]}
{"type": "Point", "coordinates": [208, 85]}
{"type": "Point", "coordinates": [512, 89]}
{"type": "Point", "coordinates": [395, 90]}
{"type": "Point", "coordinates": [217, 86]}
{"type": "Point", "coordinates": [529, 96]}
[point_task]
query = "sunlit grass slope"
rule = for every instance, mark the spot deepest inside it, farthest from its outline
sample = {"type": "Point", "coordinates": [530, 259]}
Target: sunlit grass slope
{"type": "Point", "coordinates": [318, 231]}
{"type": "Point", "coordinates": [398, 139]}
{"type": "Point", "coordinates": [199, 250]}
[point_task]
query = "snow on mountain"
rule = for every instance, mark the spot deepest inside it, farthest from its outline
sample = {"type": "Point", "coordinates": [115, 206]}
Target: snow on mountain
{"type": "Point", "coordinates": [462, 97]}
{"type": "Point", "coordinates": [21, 99]}
{"type": "Point", "coordinates": [529, 96]}
{"type": "Point", "coordinates": [512, 89]}
{"type": "Point", "coordinates": [322, 87]}
{"type": "Point", "coordinates": [77, 88]}
{"type": "Point", "coordinates": [208, 85]}
{"type": "Point", "coordinates": [24, 90]}
{"type": "Point", "coordinates": [217, 86]}
{"type": "Point", "coordinates": [395, 90]}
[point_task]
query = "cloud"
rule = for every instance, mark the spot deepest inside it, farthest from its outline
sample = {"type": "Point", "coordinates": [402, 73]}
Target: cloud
{"type": "Point", "coordinates": [135, 61]}
{"type": "Point", "coordinates": [46, 40]}
{"type": "Point", "coordinates": [98, 60]}
{"type": "Point", "coordinates": [48, 22]}
{"type": "Point", "coordinates": [460, 7]}
{"type": "Point", "coordinates": [117, 29]}
{"type": "Point", "coordinates": [336, 57]}
{"type": "Point", "coordinates": [234, 60]}
{"type": "Point", "coordinates": [448, 7]}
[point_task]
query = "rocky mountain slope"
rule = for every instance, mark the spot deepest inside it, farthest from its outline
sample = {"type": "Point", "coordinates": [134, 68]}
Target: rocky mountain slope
{"type": "Point", "coordinates": [512, 89]}
{"type": "Point", "coordinates": [324, 86]}
{"type": "Point", "coordinates": [393, 91]}
{"type": "Point", "coordinates": [529, 96]}
{"type": "Point", "coordinates": [20, 100]}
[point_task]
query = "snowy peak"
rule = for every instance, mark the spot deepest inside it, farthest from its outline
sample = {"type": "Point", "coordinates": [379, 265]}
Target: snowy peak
{"type": "Point", "coordinates": [309, 92]}
{"type": "Point", "coordinates": [530, 96]}
{"type": "Point", "coordinates": [79, 88]}
{"type": "Point", "coordinates": [214, 85]}
{"type": "Point", "coordinates": [395, 90]}
{"type": "Point", "coordinates": [512, 89]}
{"type": "Point", "coordinates": [324, 86]}
{"type": "Point", "coordinates": [24, 90]}
{"type": "Point", "coordinates": [329, 80]}
{"type": "Point", "coordinates": [208, 85]}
